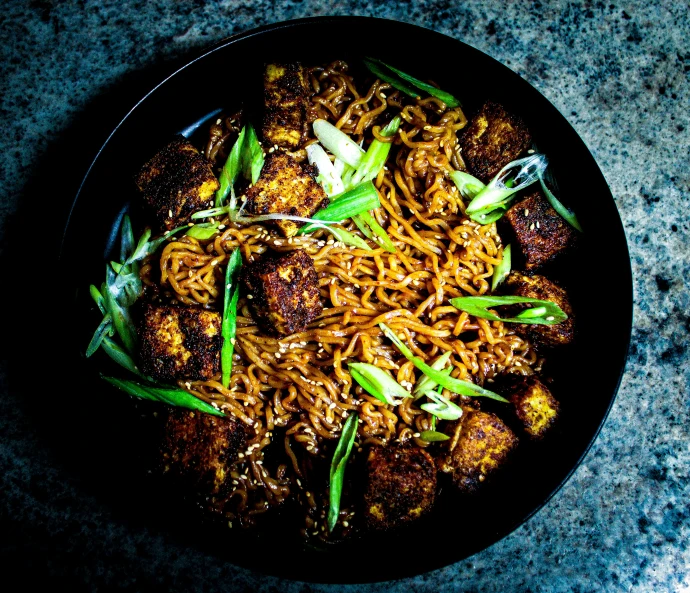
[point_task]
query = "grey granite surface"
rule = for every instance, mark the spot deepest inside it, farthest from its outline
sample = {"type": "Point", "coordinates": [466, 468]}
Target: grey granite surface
{"type": "Point", "coordinates": [618, 71]}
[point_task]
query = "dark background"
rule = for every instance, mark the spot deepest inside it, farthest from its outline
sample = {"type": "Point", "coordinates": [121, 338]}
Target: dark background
{"type": "Point", "coordinates": [617, 72]}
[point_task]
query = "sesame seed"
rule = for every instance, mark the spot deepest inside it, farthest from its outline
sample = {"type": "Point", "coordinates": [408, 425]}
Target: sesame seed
{"type": "Point", "coordinates": [249, 296]}
{"type": "Point", "coordinates": [526, 211]}
{"type": "Point", "coordinates": [550, 318]}
{"type": "Point", "coordinates": [531, 227]}
{"type": "Point", "coordinates": [537, 224]}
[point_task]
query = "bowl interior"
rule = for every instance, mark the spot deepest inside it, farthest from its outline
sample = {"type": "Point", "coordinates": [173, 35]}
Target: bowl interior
{"type": "Point", "coordinates": [229, 75]}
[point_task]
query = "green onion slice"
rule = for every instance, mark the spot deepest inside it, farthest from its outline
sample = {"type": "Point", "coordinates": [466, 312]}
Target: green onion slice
{"type": "Point", "coordinates": [329, 179]}
{"type": "Point", "coordinates": [441, 407]}
{"type": "Point", "coordinates": [452, 384]}
{"type": "Point", "coordinates": [366, 223]}
{"type": "Point", "coordinates": [173, 397]}
{"type": "Point", "coordinates": [103, 329]}
{"type": "Point", "coordinates": [362, 198]}
{"type": "Point", "coordinates": [426, 383]}
{"type": "Point", "coordinates": [545, 312]}
{"type": "Point", "coordinates": [338, 142]}
{"type": "Point", "coordinates": [338, 463]}
{"type": "Point", "coordinates": [491, 202]}
{"type": "Point", "coordinates": [564, 212]}
{"type": "Point", "coordinates": [432, 436]}
{"type": "Point", "coordinates": [346, 237]}
{"type": "Point", "coordinates": [375, 157]}
{"type": "Point", "coordinates": [203, 231]}
{"type": "Point", "coordinates": [502, 270]}
{"type": "Point", "coordinates": [231, 169]}
{"type": "Point", "coordinates": [229, 320]}
{"type": "Point", "coordinates": [115, 351]}
{"type": "Point", "coordinates": [400, 80]}
{"type": "Point", "coordinates": [378, 383]}
{"type": "Point", "coordinates": [468, 185]}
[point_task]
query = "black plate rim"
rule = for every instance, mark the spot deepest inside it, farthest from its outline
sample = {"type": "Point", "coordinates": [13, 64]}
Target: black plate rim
{"type": "Point", "coordinates": [321, 20]}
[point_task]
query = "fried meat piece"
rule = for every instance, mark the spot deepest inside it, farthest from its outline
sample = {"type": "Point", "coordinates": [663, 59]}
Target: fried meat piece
{"type": "Point", "coordinates": [540, 233]}
{"type": "Point", "coordinates": [179, 343]}
{"type": "Point", "coordinates": [177, 182]}
{"type": "Point", "coordinates": [535, 407]}
{"type": "Point", "coordinates": [285, 105]}
{"type": "Point", "coordinates": [540, 287]}
{"type": "Point", "coordinates": [286, 187]}
{"type": "Point", "coordinates": [197, 451]}
{"type": "Point", "coordinates": [400, 485]}
{"type": "Point", "coordinates": [480, 445]}
{"type": "Point", "coordinates": [283, 292]}
{"type": "Point", "coordinates": [491, 140]}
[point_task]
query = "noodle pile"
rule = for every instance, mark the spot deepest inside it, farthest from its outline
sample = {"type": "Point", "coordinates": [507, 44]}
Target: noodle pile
{"type": "Point", "coordinates": [296, 392]}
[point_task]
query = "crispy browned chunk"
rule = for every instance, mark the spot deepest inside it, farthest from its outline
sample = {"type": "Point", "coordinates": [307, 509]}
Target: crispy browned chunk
{"type": "Point", "coordinates": [283, 292]}
{"type": "Point", "coordinates": [480, 445]}
{"type": "Point", "coordinates": [400, 485]}
{"type": "Point", "coordinates": [540, 233]}
{"type": "Point", "coordinates": [535, 407]}
{"type": "Point", "coordinates": [196, 452]}
{"type": "Point", "coordinates": [286, 187]}
{"type": "Point", "coordinates": [177, 182]}
{"type": "Point", "coordinates": [285, 105]}
{"type": "Point", "coordinates": [540, 287]}
{"type": "Point", "coordinates": [179, 343]}
{"type": "Point", "coordinates": [491, 140]}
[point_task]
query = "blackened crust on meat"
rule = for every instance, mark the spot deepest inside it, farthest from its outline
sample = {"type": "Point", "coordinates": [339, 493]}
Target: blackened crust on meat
{"type": "Point", "coordinates": [536, 409]}
{"type": "Point", "coordinates": [400, 486]}
{"type": "Point", "coordinates": [492, 139]}
{"type": "Point", "coordinates": [286, 187]}
{"type": "Point", "coordinates": [179, 343]}
{"type": "Point", "coordinates": [481, 444]}
{"type": "Point", "coordinates": [283, 292]}
{"type": "Point", "coordinates": [177, 182]}
{"type": "Point", "coordinates": [285, 105]}
{"type": "Point", "coordinates": [539, 232]}
{"type": "Point", "coordinates": [540, 287]}
{"type": "Point", "coordinates": [196, 453]}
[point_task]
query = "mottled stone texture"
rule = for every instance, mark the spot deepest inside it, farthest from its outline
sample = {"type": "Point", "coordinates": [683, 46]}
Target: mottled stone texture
{"type": "Point", "coordinates": [618, 71]}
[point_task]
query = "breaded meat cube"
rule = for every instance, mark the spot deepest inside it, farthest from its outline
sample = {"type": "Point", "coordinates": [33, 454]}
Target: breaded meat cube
{"type": "Point", "coordinates": [539, 232]}
{"type": "Point", "coordinates": [540, 287]}
{"type": "Point", "coordinates": [197, 451]}
{"type": "Point", "coordinates": [286, 187]}
{"type": "Point", "coordinates": [400, 485]}
{"type": "Point", "coordinates": [286, 93]}
{"type": "Point", "coordinates": [481, 444]}
{"type": "Point", "coordinates": [177, 182]}
{"type": "Point", "coordinates": [179, 343]}
{"type": "Point", "coordinates": [535, 407]}
{"type": "Point", "coordinates": [491, 140]}
{"type": "Point", "coordinates": [283, 292]}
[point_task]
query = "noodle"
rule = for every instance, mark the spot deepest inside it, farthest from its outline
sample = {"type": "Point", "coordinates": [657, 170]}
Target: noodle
{"type": "Point", "coordinates": [299, 386]}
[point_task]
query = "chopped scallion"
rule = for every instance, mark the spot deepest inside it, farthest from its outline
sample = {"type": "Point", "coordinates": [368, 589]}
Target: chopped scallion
{"type": "Point", "coordinates": [173, 397]}
{"type": "Point", "coordinates": [502, 270]}
{"type": "Point", "coordinates": [338, 142]}
{"type": "Point", "coordinates": [203, 231]}
{"type": "Point", "coordinates": [406, 83]}
{"type": "Point", "coordinates": [432, 436]}
{"type": "Point", "coordinates": [566, 214]}
{"type": "Point", "coordinates": [489, 204]}
{"type": "Point", "coordinates": [452, 384]}
{"type": "Point", "coordinates": [229, 320]}
{"type": "Point", "coordinates": [546, 313]}
{"type": "Point", "coordinates": [378, 383]}
{"type": "Point", "coordinates": [338, 464]}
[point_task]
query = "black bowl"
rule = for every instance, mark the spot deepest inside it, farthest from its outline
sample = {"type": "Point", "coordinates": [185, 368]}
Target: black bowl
{"type": "Point", "coordinates": [585, 381]}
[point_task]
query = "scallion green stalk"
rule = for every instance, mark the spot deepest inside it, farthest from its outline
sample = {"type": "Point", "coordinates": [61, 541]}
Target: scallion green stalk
{"type": "Point", "coordinates": [361, 198]}
{"type": "Point", "coordinates": [375, 157]}
{"type": "Point", "coordinates": [468, 185]}
{"type": "Point", "coordinates": [502, 270]}
{"type": "Point", "coordinates": [338, 142]}
{"type": "Point", "coordinates": [203, 231]}
{"type": "Point", "coordinates": [378, 383]}
{"type": "Point", "coordinates": [406, 83]}
{"type": "Point", "coordinates": [231, 169]}
{"type": "Point", "coordinates": [172, 397]}
{"type": "Point", "coordinates": [441, 407]}
{"type": "Point", "coordinates": [338, 465]}
{"type": "Point", "coordinates": [229, 319]}
{"type": "Point", "coordinates": [546, 313]}
{"type": "Point", "coordinates": [563, 212]}
{"type": "Point", "coordinates": [452, 384]}
{"type": "Point", "coordinates": [432, 436]}
{"type": "Point", "coordinates": [491, 202]}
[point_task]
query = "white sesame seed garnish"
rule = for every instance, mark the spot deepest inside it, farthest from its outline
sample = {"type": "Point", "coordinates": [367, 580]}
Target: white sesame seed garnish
{"type": "Point", "coordinates": [526, 211]}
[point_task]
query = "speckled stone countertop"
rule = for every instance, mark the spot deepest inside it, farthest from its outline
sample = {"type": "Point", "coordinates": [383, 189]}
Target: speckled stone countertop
{"type": "Point", "coordinates": [618, 71]}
